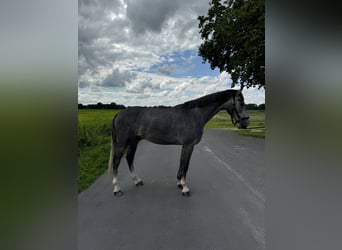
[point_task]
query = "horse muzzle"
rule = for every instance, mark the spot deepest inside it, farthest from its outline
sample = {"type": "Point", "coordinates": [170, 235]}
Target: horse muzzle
{"type": "Point", "coordinates": [244, 122]}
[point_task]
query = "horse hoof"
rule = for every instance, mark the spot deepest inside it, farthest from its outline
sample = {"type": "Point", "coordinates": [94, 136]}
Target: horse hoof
{"type": "Point", "coordinates": [179, 186]}
{"type": "Point", "coordinates": [140, 183]}
{"type": "Point", "coordinates": [186, 194]}
{"type": "Point", "coordinates": [118, 193]}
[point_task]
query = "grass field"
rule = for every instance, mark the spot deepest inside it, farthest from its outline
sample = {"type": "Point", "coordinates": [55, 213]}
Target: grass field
{"type": "Point", "coordinates": [94, 129]}
{"type": "Point", "coordinates": [256, 127]}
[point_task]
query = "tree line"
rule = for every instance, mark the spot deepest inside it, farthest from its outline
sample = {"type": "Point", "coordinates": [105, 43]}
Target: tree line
{"type": "Point", "coordinates": [253, 106]}
{"type": "Point", "coordinates": [113, 105]}
{"type": "Point", "coordinates": [100, 105]}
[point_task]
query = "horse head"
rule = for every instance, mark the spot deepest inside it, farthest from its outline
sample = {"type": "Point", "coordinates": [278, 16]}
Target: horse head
{"type": "Point", "coordinates": [236, 108]}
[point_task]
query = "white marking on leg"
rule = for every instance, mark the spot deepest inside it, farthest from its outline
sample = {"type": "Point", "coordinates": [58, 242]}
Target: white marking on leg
{"type": "Point", "coordinates": [116, 185]}
{"type": "Point", "coordinates": [135, 177]}
{"type": "Point", "coordinates": [115, 180]}
{"type": "Point", "coordinates": [182, 181]}
{"type": "Point", "coordinates": [185, 188]}
{"type": "Point", "coordinates": [116, 189]}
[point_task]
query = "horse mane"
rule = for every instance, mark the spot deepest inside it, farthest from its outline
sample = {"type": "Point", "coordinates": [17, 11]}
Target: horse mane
{"type": "Point", "coordinates": [211, 98]}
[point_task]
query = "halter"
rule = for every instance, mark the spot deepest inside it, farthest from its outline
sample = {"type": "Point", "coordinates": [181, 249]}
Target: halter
{"type": "Point", "coordinates": [237, 114]}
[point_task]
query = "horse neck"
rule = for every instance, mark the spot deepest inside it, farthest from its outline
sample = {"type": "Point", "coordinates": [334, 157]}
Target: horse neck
{"type": "Point", "coordinates": [210, 110]}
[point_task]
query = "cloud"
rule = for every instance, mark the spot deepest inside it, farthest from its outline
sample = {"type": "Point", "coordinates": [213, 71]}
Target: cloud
{"type": "Point", "coordinates": [150, 15]}
{"type": "Point", "coordinates": [182, 64]}
{"type": "Point", "coordinates": [254, 95]}
{"type": "Point", "coordinates": [118, 78]}
{"type": "Point", "coordinates": [153, 90]}
{"type": "Point", "coordinates": [146, 50]}
{"type": "Point", "coordinates": [133, 33]}
{"type": "Point", "coordinates": [167, 69]}
{"type": "Point", "coordinates": [143, 83]}
{"type": "Point", "coordinates": [83, 84]}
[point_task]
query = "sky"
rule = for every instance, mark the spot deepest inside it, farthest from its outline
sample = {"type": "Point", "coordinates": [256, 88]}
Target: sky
{"type": "Point", "coordinates": [145, 53]}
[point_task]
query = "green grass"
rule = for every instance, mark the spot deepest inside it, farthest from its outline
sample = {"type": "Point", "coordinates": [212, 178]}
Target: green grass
{"type": "Point", "coordinates": [94, 129]}
{"type": "Point", "coordinates": [256, 126]}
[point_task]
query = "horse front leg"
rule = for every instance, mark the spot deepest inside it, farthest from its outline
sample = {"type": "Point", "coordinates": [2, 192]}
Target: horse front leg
{"type": "Point", "coordinates": [183, 169]}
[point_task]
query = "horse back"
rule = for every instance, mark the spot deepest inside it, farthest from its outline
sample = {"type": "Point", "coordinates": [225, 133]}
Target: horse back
{"type": "Point", "coordinates": [158, 125]}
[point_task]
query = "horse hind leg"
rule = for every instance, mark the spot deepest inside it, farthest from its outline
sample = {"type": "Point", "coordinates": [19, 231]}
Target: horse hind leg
{"type": "Point", "coordinates": [130, 159]}
{"type": "Point", "coordinates": [116, 162]}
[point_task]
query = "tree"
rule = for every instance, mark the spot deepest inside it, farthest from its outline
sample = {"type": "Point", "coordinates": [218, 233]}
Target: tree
{"type": "Point", "coordinates": [251, 106]}
{"type": "Point", "coordinates": [261, 106]}
{"type": "Point", "coordinates": [233, 32]}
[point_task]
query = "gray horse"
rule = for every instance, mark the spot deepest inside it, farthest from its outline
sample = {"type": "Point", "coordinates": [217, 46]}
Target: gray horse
{"type": "Point", "coordinates": [180, 125]}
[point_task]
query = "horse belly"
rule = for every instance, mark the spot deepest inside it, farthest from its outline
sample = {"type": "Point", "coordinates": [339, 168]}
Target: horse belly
{"type": "Point", "coordinates": [159, 135]}
{"type": "Point", "coordinates": [170, 135]}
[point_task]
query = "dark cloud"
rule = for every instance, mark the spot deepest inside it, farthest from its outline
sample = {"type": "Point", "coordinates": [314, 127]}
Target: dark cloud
{"type": "Point", "coordinates": [97, 32]}
{"type": "Point", "coordinates": [150, 14]}
{"type": "Point", "coordinates": [118, 78]}
{"type": "Point", "coordinates": [95, 10]}
{"type": "Point", "coordinates": [83, 84]}
{"type": "Point", "coordinates": [141, 85]}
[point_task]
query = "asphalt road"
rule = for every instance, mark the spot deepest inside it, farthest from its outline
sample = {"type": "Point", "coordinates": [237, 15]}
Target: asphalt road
{"type": "Point", "coordinates": [225, 210]}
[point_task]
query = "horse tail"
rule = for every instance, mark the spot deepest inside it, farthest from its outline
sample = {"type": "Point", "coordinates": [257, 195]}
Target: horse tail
{"type": "Point", "coordinates": [113, 145]}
